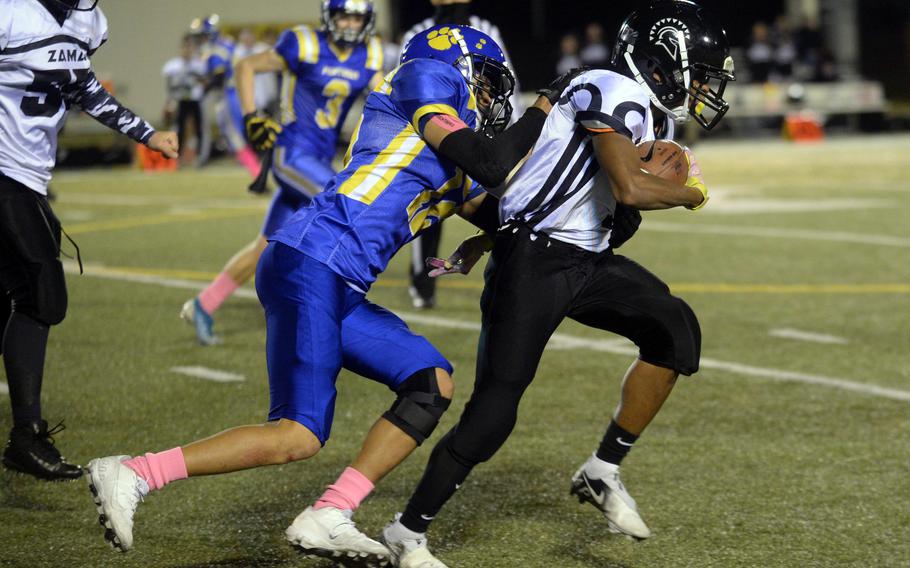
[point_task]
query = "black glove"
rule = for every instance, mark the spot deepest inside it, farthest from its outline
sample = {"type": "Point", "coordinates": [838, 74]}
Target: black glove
{"type": "Point", "coordinates": [554, 90]}
{"type": "Point", "coordinates": [625, 223]}
{"type": "Point", "coordinates": [261, 131]}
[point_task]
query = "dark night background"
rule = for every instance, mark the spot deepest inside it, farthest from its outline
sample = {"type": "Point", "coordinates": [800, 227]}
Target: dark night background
{"type": "Point", "coordinates": [533, 45]}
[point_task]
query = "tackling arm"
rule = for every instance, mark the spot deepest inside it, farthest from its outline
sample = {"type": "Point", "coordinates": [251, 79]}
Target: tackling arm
{"type": "Point", "coordinates": [489, 161]}
{"type": "Point", "coordinates": [635, 187]}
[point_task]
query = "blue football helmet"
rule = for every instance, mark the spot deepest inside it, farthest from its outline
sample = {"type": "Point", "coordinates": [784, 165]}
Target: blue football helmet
{"type": "Point", "coordinates": [331, 8]}
{"type": "Point", "coordinates": [207, 28]}
{"type": "Point", "coordinates": [479, 60]}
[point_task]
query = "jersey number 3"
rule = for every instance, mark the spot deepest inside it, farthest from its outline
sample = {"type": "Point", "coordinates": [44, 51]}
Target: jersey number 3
{"type": "Point", "coordinates": [337, 91]}
{"type": "Point", "coordinates": [50, 84]}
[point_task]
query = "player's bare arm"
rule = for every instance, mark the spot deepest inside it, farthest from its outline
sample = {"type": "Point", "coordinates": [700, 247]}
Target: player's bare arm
{"type": "Point", "coordinates": [635, 187]}
{"type": "Point", "coordinates": [261, 131]}
{"type": "Point", "coordinates": [245, 73]}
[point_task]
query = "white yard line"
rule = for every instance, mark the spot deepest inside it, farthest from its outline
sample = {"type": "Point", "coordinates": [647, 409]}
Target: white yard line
{"type": "Point", "coordinates": [209, 374]}
{"type": "Point", "coordinates": [749, 206]}
{"type": "Point", "coordinates": [4, 388]}
{"type": "Point", "coordinates": [788, 333]}
{"type": "Point", "coordinates": [777, 233]}
{"type": "Point", "coordinates": [601, 345]}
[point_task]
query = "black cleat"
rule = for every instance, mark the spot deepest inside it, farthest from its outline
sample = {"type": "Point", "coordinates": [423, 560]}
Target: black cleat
{"type": "Point", "coordinates": [31, 450]}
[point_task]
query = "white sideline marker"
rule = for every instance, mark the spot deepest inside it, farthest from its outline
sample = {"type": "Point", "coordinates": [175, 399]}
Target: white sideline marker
{"type": "Point", "coordinates": [4, 388]}
{"type": "Point", "coordinates": [603, 345]}
{"type": "Point", "coordinates": [209, 374]}
{"type": "Point", "coordinates": [787, 333]}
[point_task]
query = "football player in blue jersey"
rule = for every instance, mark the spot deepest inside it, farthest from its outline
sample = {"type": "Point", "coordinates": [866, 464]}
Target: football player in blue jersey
{"type": "Point", "coordinates": [218, 54]}
{"type": "Point", "coordinates": [324, 72]}
{"type": "Point", "coordinates": [421, 144]}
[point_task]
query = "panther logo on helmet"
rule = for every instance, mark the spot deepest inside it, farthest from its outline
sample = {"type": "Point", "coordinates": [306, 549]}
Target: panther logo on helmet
{"type": "Point", "coordinates": [443, 39]}
{"type": "Point", "coordinates": [665, 33]}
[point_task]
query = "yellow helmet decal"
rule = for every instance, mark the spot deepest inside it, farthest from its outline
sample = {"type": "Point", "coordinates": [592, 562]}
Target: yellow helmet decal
{"type": "Point", "coordinates": [442, 39]}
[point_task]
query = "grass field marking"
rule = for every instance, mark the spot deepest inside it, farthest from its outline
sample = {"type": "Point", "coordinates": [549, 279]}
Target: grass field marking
{"type": "Point", "coordinates": [160, 219]}
{"type": "Point", "coordinates": [4, 388]}
{"type": "Point", "coordinates": [750, 206]}
{"type": "Point", "coordinates": [607, 346]}
{"type": "Point", "coordinates": [118, 200]}
{"type": "Point", "coordinates": [209, 374]}
{"type": "Point", "coordinates": [789, 333]}
{"type": "Point", "coordinates": [722, 288]}
{"type": "Point", "coordinates": [778, 233]}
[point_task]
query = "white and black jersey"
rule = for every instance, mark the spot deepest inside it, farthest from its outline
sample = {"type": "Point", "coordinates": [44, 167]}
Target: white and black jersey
{"type": "Point", "coordinates": [45, 67]}
{"type": "Point", "coordinates": [185, 78]}
{"type": "Point", "coordinates": [561, 190]}
{"type": "Point", "coordinates": [491, 30]}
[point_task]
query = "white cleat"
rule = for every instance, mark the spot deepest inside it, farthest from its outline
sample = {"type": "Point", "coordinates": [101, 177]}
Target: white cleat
{"type": "Point", "coordinates": [409, 549]}
{"type": "Point", "coordinates": [330, 533]}
{"type": "Point", "coordinates": [116, 490]}
{"type": "Point", "coordinates": [608, 494]}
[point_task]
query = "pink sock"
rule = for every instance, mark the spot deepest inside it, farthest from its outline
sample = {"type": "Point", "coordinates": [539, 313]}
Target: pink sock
{"type": "Point", "coordinates": [159, 469]}
{"type": "Point", "coordinates": [347, 492]}
{"type": "Point", "coordinates": [248, 159]}
{"type": "Point", "coordinates": [217, 292]}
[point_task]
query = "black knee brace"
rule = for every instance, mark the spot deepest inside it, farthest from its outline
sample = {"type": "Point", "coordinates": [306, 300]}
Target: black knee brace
{"type": "Point", "coordinates": [419, 405]}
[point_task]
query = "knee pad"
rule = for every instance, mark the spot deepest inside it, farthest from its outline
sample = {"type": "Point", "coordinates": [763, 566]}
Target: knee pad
{"type": "Point", "coordinates": [677, 345]}
{"type": "Point", "coordinates": [44, 298]}
{"type": "Point", "coordinates": [419, 405]}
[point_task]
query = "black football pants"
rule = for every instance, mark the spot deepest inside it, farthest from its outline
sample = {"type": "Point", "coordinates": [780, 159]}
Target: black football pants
{"type": "Point", "coordinates": [32, 290]}
{"type": "Point", "coordinates": [532, 284]}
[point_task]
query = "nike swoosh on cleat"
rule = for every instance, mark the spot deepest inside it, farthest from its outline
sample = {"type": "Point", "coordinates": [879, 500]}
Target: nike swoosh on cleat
{"type": "Point", "coordinates": [626, 444]}
{"type": "Point", "coordinates": [427, 517]}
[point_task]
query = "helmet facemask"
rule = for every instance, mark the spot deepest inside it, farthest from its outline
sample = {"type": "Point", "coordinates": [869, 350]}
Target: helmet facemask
{"type": "Point", "coordinates": [707, 105]}
{"type": "Point", "coordinates": [492, 84]}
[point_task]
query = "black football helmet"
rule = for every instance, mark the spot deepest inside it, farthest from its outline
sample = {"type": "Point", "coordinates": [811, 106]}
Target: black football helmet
{"type": "Point", "coordinates": [680, 55]}
{"type": "Point", "coordinates": [76, 5]}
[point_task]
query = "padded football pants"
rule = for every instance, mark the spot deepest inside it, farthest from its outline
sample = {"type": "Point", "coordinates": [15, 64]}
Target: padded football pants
{"type": "Point", "coordinates": [33, 289]}
{"type": "Point", "coordinates": [532, 284]}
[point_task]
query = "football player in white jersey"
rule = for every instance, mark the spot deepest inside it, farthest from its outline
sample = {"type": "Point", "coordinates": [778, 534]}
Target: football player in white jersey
{"type": "Point", "coordinates": [45, 46]}
{"type": "Point", "coordinates": [553, 258]}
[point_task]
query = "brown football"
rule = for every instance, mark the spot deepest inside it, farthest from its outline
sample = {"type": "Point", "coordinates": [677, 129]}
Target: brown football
{"type": "Point", "coordinates": [664, 158]}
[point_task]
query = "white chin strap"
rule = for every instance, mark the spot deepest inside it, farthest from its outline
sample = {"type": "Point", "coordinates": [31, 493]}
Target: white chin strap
{"type": "Point", "coordinates": [680, 113]}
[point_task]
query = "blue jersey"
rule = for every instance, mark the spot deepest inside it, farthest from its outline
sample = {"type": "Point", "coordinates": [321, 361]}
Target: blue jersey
{"type": "Point", "coordinates": [393, 184]}
{"type": "Point", "coordinates": [219, 58]}
{"type": "Point", "coordinates": [319, 86]}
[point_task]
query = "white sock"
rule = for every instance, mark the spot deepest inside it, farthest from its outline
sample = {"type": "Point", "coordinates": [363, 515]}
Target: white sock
{"type": "Point", "coordinates": [398, 532]}
{"type": "Point", "coordinates": [596, 467]}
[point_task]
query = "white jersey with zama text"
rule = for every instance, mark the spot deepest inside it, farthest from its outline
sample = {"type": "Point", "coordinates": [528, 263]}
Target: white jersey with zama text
{"type": "Point", "coordinates": [38, 57]}
{"type": "Point", "coordinates": [561, 190]}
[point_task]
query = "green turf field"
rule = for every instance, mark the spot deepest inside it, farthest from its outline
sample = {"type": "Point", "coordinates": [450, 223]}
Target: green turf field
{"type": "Point", "coordinates": [782, 451]}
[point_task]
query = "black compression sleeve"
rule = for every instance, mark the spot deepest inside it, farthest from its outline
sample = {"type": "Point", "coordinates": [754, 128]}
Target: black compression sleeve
{"type": "Point", "coordinates": [486, 217]}
{"type": "Point", "coordinates": [91, 96]}
{"type": "Point", "coordinates": [489, 161]}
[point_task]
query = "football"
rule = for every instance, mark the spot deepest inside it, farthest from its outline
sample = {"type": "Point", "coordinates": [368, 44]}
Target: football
{"type": "Point", "coordinates": [664, 158]}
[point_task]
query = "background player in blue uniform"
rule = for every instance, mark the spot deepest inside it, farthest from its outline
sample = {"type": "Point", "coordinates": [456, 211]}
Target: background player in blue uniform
{"type": "Point", "coordinates": [218, 52]}
{"type": "Point", "coordinates": [324, 71]}
{"type": "Point", "coordinates": [410, 166]}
